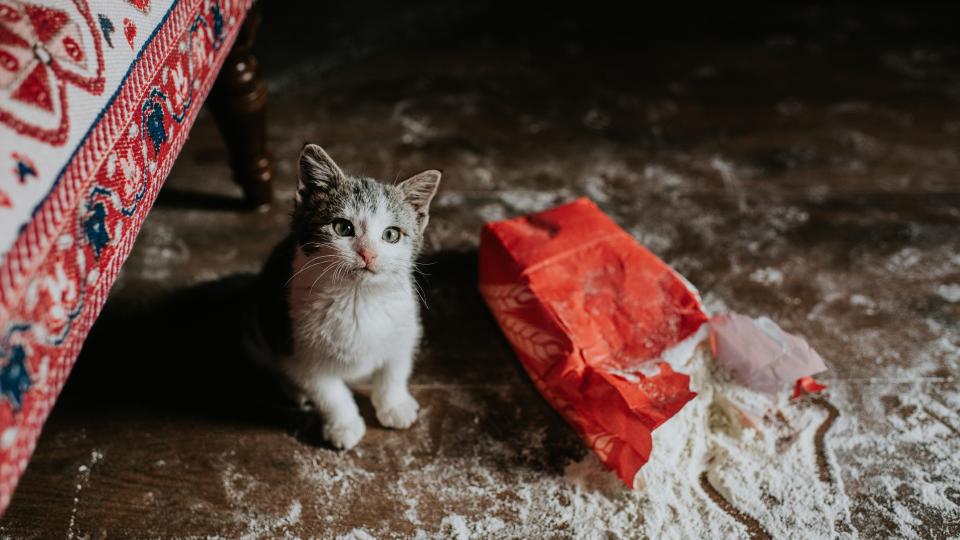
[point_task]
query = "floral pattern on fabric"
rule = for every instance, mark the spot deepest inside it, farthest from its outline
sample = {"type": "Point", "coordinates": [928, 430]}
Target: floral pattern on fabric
{"type": "Point", "coordinates": [110, 109]}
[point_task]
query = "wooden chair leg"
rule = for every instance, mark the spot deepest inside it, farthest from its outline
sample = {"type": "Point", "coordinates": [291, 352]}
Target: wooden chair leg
{"type": "Point", "coordinates": [238, 102]}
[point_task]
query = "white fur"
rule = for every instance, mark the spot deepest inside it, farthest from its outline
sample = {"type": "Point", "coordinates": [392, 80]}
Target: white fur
{"type": "Point", "coordinates": [350, 324]}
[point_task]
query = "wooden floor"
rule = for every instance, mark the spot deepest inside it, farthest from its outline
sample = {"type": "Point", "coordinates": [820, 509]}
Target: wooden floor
{"type": "Point", "coordinates": [802, 163]}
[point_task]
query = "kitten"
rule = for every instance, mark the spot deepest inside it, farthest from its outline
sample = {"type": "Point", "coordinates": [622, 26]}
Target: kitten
{"type": "Point", "coordinates": [336, 300]}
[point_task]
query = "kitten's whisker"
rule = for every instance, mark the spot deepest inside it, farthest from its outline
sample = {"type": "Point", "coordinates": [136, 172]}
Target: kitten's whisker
{"type": "Point", "coordinates": [419, 291]}
{"type": "Point", "coordinates": [334, 264]}
{"type": "Point", "coordinates": [415, 266]}
{"type": "Point", "coordinates": [343, 265]}
{"type": "Point", "coordinates": [327, 269]}
{"type": "Point", "coordinates": [315, 261]}
{"type": "Point", "coordinates": [423, 297]}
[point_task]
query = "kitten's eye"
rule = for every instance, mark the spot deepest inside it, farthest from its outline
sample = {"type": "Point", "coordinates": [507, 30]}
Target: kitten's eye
{"type": "Point", "coordinates": [342, 227]}
{"type": "Point", "coordinates": [391, 235]}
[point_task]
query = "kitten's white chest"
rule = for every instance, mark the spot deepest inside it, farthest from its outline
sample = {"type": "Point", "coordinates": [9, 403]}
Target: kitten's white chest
{"type": "Point", "coordinates": [355, 333]}
{"type": "Point", "coordinates": [371, 322]}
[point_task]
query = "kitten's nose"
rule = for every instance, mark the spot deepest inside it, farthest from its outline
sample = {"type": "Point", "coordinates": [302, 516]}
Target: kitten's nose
{"type": "Point", "coordinates": [367, 255]}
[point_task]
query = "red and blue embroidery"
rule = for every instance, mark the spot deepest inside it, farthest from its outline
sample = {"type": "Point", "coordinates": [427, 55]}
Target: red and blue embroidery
{"type": "Point", "coordinates": [106, 28]}
{"type": "Point", "coordinates": [41, 51]}
{"type": "Point", "coordinates": [24, 169]}
{"type": "Point", "coordinates": [14, 379]}
{"type": "Point", "coordinates": [43, 319]}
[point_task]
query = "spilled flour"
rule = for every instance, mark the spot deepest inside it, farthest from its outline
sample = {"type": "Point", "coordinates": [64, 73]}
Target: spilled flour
{"type": "Point", "coordinates": [716, 473]}
{"type": "Point", "coordinates": [815, 468]}
{"type": "Point", "coordinates": [711, 476]}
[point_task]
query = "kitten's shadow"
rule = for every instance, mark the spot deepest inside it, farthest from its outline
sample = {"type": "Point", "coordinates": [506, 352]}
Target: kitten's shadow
{"type": "Point", "coordinates": [181, 355]}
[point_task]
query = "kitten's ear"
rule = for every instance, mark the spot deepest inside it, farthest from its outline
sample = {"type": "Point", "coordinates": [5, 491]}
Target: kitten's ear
{"type": "Point", "coordinates": [316, 172]}
{"type": "Point", "coordinates": [418, 191]}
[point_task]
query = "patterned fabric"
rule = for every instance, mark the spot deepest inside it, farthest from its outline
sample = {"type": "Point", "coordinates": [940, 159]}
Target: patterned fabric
{"type": "Point", "coordinates": [96, 99]}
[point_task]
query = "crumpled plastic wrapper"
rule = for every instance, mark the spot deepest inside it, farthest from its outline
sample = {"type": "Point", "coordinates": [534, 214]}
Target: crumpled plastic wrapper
{"type": "Point", "coordinates": [589, 313]}
{"type": "Point", "coordinates": [761, 356]}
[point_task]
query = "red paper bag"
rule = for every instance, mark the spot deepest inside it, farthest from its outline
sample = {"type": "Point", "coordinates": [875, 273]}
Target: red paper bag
{"type": "Point", "coordinates": [588, 311]}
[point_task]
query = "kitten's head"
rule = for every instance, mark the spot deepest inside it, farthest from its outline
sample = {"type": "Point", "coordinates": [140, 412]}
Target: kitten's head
{"type": "Point", "coordinates": [356, 227]}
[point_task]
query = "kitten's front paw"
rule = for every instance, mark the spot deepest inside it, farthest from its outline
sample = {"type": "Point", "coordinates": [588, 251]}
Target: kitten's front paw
{"type": "Point", "coordinates": [400, 414]}
{"type": "Point", "coordinates": [344, 435]}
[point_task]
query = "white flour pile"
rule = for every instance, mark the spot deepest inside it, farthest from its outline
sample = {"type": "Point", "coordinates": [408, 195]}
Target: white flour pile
{"type": "Point", "coordinates": [768, 475]}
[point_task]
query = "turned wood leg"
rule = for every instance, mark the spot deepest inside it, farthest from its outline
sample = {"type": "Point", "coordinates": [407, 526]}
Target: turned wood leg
{"type": "Point", "coordinates": [238, 102]}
